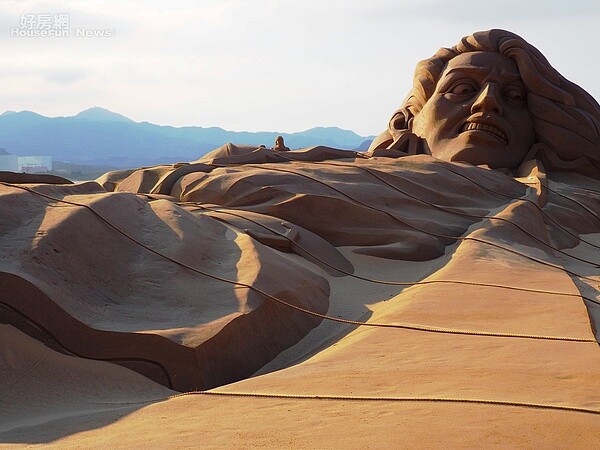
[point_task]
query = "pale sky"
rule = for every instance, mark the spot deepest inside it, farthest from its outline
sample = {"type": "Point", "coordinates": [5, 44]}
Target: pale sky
{"type": "Point", "coordinates": [265, 65]}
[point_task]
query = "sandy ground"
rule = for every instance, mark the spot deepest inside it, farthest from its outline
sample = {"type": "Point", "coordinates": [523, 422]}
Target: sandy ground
{"type": "Point", "coordinates": [390, 364]}
{"type": "Point", "coordinates": [443, 365]}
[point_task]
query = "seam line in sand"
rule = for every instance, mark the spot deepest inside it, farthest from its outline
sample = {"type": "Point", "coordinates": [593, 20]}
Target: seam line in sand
{"type": "Point", "coordinates": [371, 280]}
{"type": "Point", "coordinates": [452, 211]}
{"type": "Point", "coordinates": [372, 399]}
{"type": "Point", "coordinates": [431, 233]}
{"type": "Point", "coordinates": [266, 295]}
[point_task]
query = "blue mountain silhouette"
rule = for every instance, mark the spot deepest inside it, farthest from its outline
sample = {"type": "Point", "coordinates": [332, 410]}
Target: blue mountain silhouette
{"type": "Point", "coordinates": [100, 136]}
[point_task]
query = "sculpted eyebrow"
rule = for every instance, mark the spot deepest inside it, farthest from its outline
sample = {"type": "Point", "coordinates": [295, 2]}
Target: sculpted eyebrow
{"type": "Point", "coordinates": [511, 76]}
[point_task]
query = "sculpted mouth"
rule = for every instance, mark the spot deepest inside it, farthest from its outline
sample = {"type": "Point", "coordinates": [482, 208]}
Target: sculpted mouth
{"type": "Point", "coordinates": [490, 129]}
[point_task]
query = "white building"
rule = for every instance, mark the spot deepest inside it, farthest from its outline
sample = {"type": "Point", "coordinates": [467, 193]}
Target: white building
{"type": "Point", "coordinates": [9, 163]}
{"type": "Point", "coordinates": [27, 164]}
{"type": "Point", "coordinates": [34, 164]}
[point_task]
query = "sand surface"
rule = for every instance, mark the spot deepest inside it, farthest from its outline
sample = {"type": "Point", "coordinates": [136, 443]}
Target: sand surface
{"type": "Point", "coordinates": [495, 347]}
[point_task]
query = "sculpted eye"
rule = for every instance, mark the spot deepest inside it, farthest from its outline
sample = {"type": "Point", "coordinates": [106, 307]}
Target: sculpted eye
{"type": "Point", "coordinates": [515, 94]}
{"type": "Point", "coordinates": [462, 88]}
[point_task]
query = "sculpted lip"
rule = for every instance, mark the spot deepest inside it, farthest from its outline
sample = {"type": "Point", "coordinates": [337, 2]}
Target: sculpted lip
{"type": "Point", "coordinates": [490, 129]}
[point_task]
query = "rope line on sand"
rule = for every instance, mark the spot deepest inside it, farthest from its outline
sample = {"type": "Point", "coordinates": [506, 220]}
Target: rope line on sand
{"type": "Point", "coordinates": [538, 207]}
{"type": "Point", "coordinates": [451, 211]}
{"type": "Point", "coordinates": [350, 398]}
{"type": "Point", "coordinates": [449, 169]}
{"type": "Point", "coordinates": [431, 233]}
{"type": "Point", "coordinates": [581, 205]}
{"type": "Point", "coordinates": [406, 326]}
{"type": "Point", "coordinates": [359, 277]}
{"type": "Point", "coordinates": [358, 398]}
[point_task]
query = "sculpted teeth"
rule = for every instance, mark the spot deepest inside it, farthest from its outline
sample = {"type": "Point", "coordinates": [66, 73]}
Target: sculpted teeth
{"type": "Point", "coordinates": [488, 129]}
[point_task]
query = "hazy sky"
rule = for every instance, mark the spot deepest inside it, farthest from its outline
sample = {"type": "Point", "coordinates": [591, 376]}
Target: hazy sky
{"type": "Point", "coordinates": [264, 65]}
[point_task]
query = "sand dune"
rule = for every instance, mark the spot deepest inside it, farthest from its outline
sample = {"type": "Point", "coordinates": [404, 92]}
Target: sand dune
{"type": "Point", "coordinates": [494, 344]}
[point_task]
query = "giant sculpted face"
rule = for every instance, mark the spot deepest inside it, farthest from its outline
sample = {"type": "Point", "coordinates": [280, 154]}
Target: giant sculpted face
{"type": "Point", "coordinates": [478, 112]}
{"type": "Point", "coordinates": [493, 99]}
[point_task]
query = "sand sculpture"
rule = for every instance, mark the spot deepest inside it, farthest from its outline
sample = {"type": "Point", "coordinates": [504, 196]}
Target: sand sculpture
{"type": "Point", "coordinates": [456, 261]}
{"type": "Point", "coordinates": [526, 97]}
{"type": "Point", "coordinates": [280, 145]}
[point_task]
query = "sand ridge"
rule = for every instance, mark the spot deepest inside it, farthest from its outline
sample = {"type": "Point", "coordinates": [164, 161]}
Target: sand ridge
{"type": "Point", "coordinates": [488, 235]}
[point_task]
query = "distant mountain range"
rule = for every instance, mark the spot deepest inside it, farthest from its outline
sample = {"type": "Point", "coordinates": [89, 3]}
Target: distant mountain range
{"type": "Point", "coordinates": [98, 136]}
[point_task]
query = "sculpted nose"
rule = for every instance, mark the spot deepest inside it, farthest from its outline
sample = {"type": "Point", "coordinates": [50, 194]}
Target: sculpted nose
{"type": "Point", "coordinates": [488, 100]}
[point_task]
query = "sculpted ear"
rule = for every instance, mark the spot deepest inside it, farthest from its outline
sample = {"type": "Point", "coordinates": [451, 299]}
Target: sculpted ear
{"type": "Point", "coordinates": [400, 123]}
{"type": "Point", "coordinates": [398, 137]}
{"type": "Point", "coordinates": [380, 142]}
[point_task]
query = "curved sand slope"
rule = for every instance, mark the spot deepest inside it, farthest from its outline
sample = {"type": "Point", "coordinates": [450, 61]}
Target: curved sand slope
{"type": "Point", "coordinates": [494, 347]}
{"type": "Point", "coordinates": [105, 294]}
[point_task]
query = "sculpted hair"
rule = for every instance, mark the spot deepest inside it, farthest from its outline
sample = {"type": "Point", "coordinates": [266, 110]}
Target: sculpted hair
{"type": "Point", "coordinates": [566, 118]}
